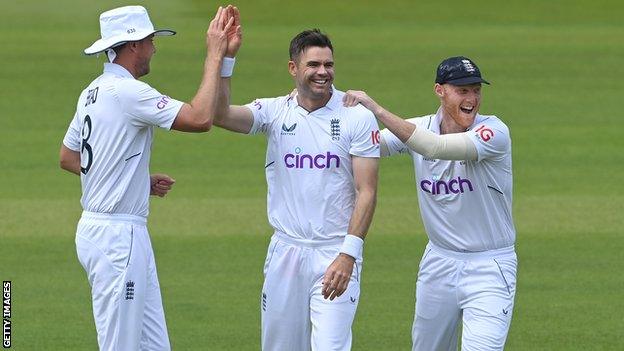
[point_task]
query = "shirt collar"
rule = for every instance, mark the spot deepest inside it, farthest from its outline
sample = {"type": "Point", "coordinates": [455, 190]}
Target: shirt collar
{"type": "Point", "coordinates": [117, 70]}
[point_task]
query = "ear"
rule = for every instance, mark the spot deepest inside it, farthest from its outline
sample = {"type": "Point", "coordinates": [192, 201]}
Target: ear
{"type": "Point", "coordinates": [439, 90]}
{"type": "Point", "coordinates": [292, 68]}
{"type": "Point", "coordinates": [132, 45]}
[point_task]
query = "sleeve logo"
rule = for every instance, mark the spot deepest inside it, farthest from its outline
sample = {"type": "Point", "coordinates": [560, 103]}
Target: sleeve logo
{"type": "Point", "coordinates": [164, 100]}
{"type": "Point", "coordinates": [257, 104]}
{"type": "Point", "coordinates": [375, 137]}
{"type": "Point", "coordinates": [485, 133]}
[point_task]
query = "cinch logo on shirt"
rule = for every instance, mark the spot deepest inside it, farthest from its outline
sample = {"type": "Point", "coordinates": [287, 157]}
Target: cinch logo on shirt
{"type": "Point", "coordinates": [319, 161]}
{"type": "Point", "coordinates": [454, 186]}
{"type": "Point", "coordinates": [164, 100]}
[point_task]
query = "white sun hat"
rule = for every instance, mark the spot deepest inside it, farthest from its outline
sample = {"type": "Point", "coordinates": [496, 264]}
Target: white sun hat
{"type": "Point", "coordinates": [124, 24]}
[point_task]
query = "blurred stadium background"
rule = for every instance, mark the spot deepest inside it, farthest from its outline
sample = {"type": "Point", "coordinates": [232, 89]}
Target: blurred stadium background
{"type": "Point", "coordinates": [556, 69]}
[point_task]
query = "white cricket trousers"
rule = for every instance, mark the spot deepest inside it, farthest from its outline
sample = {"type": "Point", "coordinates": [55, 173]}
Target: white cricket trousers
{"type": "Point", "coordinates": [116, 252]}
{"type": "Point", "coordinates": [295, 316]}
{"type": "Point", "coordinates": [475, 288]}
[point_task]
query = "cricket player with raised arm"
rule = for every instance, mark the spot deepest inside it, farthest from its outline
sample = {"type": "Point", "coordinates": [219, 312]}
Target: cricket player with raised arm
{"type": "Point", "coordinates": [462, 161]}
{"type": "Point", "coordinates": [321, 170]}
{"type": "Point", "coordinates": [108, 145]}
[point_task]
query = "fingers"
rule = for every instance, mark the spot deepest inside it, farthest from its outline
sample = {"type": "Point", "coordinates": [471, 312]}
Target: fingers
{"type": "Point", "coordinates": [236, 15]}
{"type": "Point", "coordinates": [350, 99]}
{"type": "Point", "coordinates": [217, 17]}
{"type": "Point", "coordinates": [336, 279]}
{"type": "Point", "coordinates": [222, 17]}
{"type": "Point", "coordinates": [228, 24]}
{"type": "Point", "coordinates": [335, 286]}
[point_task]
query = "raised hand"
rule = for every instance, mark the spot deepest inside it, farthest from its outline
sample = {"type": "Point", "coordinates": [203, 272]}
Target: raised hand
{"type": "Point", "coordinates": [216, 36]}
{"type": "Point", "coordinates": [234, 34]}
{"type": "Point", "coordinates": [354, 97]}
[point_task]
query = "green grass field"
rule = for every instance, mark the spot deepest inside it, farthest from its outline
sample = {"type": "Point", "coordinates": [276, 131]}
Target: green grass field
{"type": "Point", "coordinates": [556, 69]}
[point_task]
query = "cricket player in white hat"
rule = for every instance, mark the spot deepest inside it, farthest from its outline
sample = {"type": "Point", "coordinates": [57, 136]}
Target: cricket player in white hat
{"type": "Point", "coordinates": [321, 170]}
{"type": "Point", "coordinates": [462, 161]}
{"type": "Point", "coordinates": [108, 144]}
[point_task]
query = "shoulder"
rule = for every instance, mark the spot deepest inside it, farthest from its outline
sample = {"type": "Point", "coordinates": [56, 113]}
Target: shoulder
{"type": "Point", "coordinates": [492, 123]}
{"type": "Point", "coordinates": [422, 121]}
{"type": "Point", "coordinates": [270, 103]}
{"type": "Point", "coordinates": [130, 86]}
{"type": "Point", "coordinates": [357, 113]}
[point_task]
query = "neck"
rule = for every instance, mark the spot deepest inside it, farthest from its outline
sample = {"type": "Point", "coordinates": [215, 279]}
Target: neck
{"type": "Point", "coordinates": [448, 124]}
{"type": "Point", "coordinates": [128, 65]}
{"type": "Point", "coordinates": [312, 103]}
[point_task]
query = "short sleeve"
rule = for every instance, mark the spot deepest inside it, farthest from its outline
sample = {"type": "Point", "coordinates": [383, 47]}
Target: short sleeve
{"type": "Point", "coordinates": [491, 138]}
{"type": "Point", "coordinates": [365, 137]}
{"type": "Point", "coordinates": [145, 106]}
{"type": "Point", "coordinates": [260, 108]}
{"type": "Point", "coordinates": [395, 145]}
{"type": "Point", "coordinates": [72, 136]}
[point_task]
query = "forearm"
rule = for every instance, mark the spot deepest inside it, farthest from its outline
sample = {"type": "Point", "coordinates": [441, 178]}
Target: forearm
{"type": "Point", "coordinates": [204, 103]}
{"type": "Point", "coordinates": [73, 168]}
{"type": "Point", "coordinates": [397, 125]}
{"type": "Point", "coordinates": [455, 146]}
{"type": "Point", "coordinates": [223, 102]}
{"type": "Point", "coordinates": [363, 211]}
{"type": "Point", "coordinates": [69, 160]}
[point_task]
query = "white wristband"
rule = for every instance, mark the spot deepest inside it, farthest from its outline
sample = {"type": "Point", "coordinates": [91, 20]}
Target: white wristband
{"type": "Point", "coordinates": [352, 246]}
{"type": "Point", "coordinates": [228, 67]}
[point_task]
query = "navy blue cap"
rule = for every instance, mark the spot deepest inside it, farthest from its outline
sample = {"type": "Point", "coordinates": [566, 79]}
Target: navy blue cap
{"type": "Point", "coordinates": [459, 70]}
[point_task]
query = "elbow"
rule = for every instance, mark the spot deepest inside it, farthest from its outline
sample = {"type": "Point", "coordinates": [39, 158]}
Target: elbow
{"type": "Point", "coordinates": [430, 154]}
{"type": "Point", "coordinates": [203, 123]}
{"type": "Point", "coordinates": [204, 127]}
{"type": "Point", "coordinates": [65, 164]}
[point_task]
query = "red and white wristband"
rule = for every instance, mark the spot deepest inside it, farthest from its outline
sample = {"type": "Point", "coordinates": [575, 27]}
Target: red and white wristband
{"type": "Point", "coordinates": [227, 68]}
{"type": "Point", "coordinates": [353, 246]}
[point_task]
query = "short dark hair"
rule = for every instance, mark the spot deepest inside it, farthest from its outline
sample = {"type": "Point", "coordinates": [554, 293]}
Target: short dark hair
{"type": "Point", "coordinates": [306, 39]}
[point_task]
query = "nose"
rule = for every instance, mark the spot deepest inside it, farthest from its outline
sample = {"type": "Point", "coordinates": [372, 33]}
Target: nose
{"type": "Point", "coordinates": [474, 97]}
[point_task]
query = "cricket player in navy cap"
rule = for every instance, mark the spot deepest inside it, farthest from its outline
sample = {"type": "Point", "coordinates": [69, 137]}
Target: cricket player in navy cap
{"type": "Point", "coordinates": [462, 161]}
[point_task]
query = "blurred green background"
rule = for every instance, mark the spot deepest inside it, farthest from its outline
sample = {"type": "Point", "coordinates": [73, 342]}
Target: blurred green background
{"type": "Point", "coordinates": [556, 69]}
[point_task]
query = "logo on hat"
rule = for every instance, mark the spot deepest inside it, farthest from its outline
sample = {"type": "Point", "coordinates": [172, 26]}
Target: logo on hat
{"type": "Point", "coordinates": [468, 65]}
{"type": "Point", "coordinates": [459, 70]}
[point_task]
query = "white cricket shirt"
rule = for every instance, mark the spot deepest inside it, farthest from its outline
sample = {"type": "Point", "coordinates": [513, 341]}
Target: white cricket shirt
{"type": "Point", "coordinates": [113, 131]}
{"type": "Point", "coordinates": [309, 174]}
{"type": "Point", "coordinates": [465, 205]}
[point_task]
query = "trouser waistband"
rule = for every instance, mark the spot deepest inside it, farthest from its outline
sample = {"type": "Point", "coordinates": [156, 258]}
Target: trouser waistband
{"type": "Point", "coordinates": [467, 256]}
{"type": "Point", "coordinates": [281, 236]}
{"type": "Point", "coordinates": [113, 217]}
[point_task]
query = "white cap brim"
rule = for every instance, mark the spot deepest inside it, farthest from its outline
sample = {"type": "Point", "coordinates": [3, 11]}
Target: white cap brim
{"type": "Point", "coordinates": [103, 44]}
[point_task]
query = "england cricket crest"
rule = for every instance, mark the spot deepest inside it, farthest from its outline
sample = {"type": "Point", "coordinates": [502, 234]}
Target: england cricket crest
{"type": "Point", "coordinates": [334, 129]}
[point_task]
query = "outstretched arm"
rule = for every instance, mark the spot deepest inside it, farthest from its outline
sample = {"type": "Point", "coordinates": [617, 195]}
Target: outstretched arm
{"type": "Point", "coordinates": [197, 115]}
{"type": "Point", "coordinates": [457, 146]}
{"type": "Point", "coordinates": [338, 273]}
{"type": "Point", "coordinates": [235, 118]}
